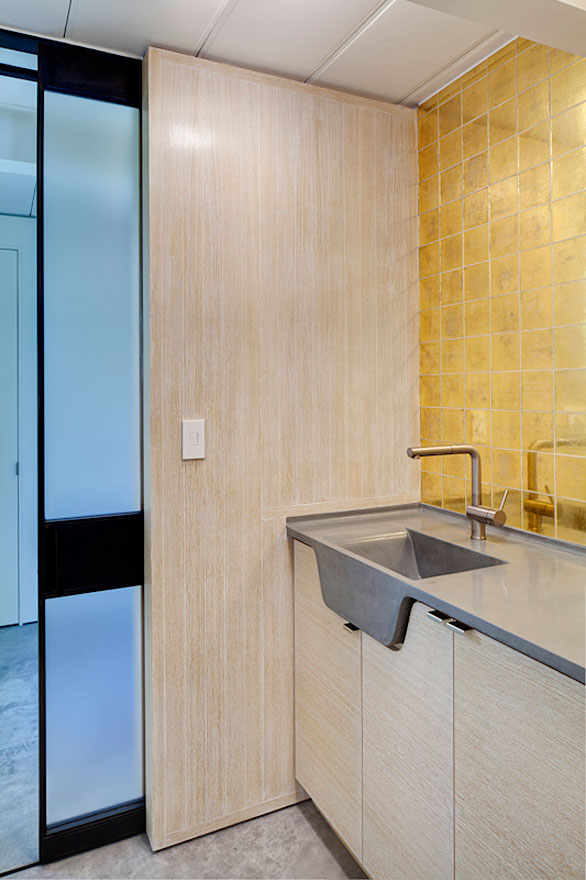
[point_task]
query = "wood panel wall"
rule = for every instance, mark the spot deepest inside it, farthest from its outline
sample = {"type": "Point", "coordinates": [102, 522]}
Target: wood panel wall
{"type": "Point", "coordinates": [282, 308]}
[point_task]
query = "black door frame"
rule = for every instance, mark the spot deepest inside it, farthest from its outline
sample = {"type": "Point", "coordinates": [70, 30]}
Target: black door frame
{"type": "Point", "coordinates": [91, 553]}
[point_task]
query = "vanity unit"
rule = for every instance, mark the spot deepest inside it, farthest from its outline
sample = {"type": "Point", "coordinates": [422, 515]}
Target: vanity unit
{"type": "Point", "coordinates": [458, 752]}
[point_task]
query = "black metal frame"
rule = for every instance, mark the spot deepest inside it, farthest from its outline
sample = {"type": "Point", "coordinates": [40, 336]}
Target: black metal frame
{"type": "Point", "coordinates": [90, 553]}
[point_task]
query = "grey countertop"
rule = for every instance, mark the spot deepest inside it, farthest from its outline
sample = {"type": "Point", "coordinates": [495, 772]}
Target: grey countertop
{"type": "Point", "coordinates": [535, 603]}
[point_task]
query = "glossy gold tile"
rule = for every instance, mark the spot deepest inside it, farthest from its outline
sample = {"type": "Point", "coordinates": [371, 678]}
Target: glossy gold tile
{"type": "Point", "coordinates": [451, 252]}
{"type": "Point", "coordinates": [452, 427]}
{"type": "Point", "coordinates": [504, 313]}
{"type": "Point", "coordinates": [453, 390]}
{"type": "Point", "coordinates": [450, 115]}
{"type": "Point", "coordinates": [454, 494]}
{"type": "Point", "coordinates": [454, 465]}
{"type": "Point", "coordinates": [538, 514]}
{"type": "Point", "coordinates": [502, 56]}
{"type": "Point", "coordinates": [535, 268]}
{"type": "Point", "coordinates": [429, 227]}
{"type": "Point", "coordinates": [476, 209]}
{"type": "Point", "coordinates": [537, 390]}
{"type": "Point", "coordinates": [476, 317]}
{"type": "Point", "coordinates": [506, 431]}
{"type": "Point", "coordinates": [568, 87]}
{"type": "Point", "coordinates": [476, 245]}
{"type": "Point", "coordinates": [534, 146]}
{"type": "Point", "coordinates": [570, 521]}
{"type": "Point", "coordinates": [513, 506]}
{"type": "Point", "coordinates": [503, 198]}
{"type": "Point", "coordinates": [453, 356]}
{"type": "Point", "coordinates": [451, 218]}
{"type": "Point", "coordinates": [539, 473]}
{"type": "Point", "coordinates": [532, 66]}
{"type": "Point", "coordinates": [474, 101]}
{"type": "Point", "coordinates": [429, 292]}
{"type": "Point", "coordinates": [450, 90]}
{"type": "Point", "coordinates": [535, 227]}
{"type": "Point", "coordinates": [570, 390]}
{"type": "Point", "coordinates": [478, 426]}
{"type": "Point", "coordinates": [432, 464]}
{"type": "Point", "coordinates": [429, 161]}
{"type": "Point", "coordinates": [536, 309]}
{"type": "Point", "coordinates": [476, 282]}
{"type": "Point", "coordinates": [558, 59]}
{"type": "Point", "coordinates": [506, 390]}
{"type": "Point", "coordinates": [533, 105]}
{"type": "Point", "coordinates": [427, 105]}
{"type": "Point", "coordinates": [430, 390]}
{"type": "Point", "coordinates": [475, 137]}
{"type": "Point", "coordinates": [534, 187]}
{"type": "Point", "coordinates": [452, 322]}
{"type": "Point", "coordinates": [506, 468]}
{"type": "Point", "coordinates": [427, 129]}
{"type": "Point", "coordinates": [523, 43]}
{"type": "Point", "coordinates": [431, 489]}
{"type": "Point", "coordinates": [474, 75]}
{"type": "Point", "coordinates": [452, 287]}
{"type": "Point", "coordinates": [537, 433]}
{"type": "Point", "coordinates": [475, 173]}
{"type": "Point", "coordinates": [504, 237]}
{"type": "Point", "coordinates": [504, 275]}
{"type": "Point", "coordinates": [429, 194]}
{"type": "Point", "coordinates": [505, 351]}
{"type": "Point", "coordinates": [429, 325]}
{"type": "Point", "coordinates": [570, 347]}
{"type": "Point", "coordinates": [568, 173]}
{"type": "Point", "coordinates": [569, 260]}
{"type": "Point", "coordinates": [451, 184]}
{"type": "Point", "coordinates": [569, 216]}
{"type": "Point", "coordinates": [502, 84]}
{"type": "Point", "coordinates": [502, 160]}
{"type": "Point", "coordinates": [571, 477]}
{"type": "Point", "coordinates": [569, 303]}
{"type": "Point", "coordinates": [429, 259]}
{"type": "Point", "coordinates": [477, 392]}
{"type": "Point", "coordinates": [429, 357]}
{"type": "Point", "coordinates": [450, 150]}
{"type": "Point", "coordinates": [477, 354]}
{"type": "Point", "coordinates": [570, 433]}
{"type": "Point", "coordinates": [430, 421]}
{"type": "Point", "coordinates": [568, 130]}
{"type": "Point", "coordinates": [502, 122]}
{"type": "Point", "coordinates": [537, 350]}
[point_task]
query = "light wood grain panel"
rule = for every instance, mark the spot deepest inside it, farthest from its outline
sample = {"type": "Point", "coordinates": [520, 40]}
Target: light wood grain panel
{"type": "Point", "coordinates": [519, 765]}
{"type": "Point", "coordinates": [259, 196]}
{"type": "Point", "coordinates": [407, 749]}
{"type": "Point", "coordinates": [328, 705]}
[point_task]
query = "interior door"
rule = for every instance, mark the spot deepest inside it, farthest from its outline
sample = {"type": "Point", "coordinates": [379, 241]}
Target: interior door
{"type": "Point", "coordinates": [8, 436]}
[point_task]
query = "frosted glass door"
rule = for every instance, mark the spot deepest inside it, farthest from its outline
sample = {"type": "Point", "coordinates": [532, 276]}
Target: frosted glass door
{"type": "Point", "coordinates": [8, 437]}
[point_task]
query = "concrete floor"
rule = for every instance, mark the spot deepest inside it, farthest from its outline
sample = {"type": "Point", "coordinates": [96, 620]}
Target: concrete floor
{"type": "Point", "coordinates": [18, 746]}
{"type": "Point", "coordinates": [292, 844]}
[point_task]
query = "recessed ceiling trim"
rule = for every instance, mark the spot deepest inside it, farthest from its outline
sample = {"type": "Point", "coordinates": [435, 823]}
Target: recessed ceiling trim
{"type": "Point", "coordinates": [219, 19]}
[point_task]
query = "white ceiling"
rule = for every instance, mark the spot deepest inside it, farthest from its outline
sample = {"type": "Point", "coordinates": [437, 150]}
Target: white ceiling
{"type": "Point", "coordinates": [394, 50]}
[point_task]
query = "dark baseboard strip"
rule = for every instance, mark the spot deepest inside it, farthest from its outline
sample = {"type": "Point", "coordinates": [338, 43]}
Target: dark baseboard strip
{"type": "Point", "coordinates": [92, 831]}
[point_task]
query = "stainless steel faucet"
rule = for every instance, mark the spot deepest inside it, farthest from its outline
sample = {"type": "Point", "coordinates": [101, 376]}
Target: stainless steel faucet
{"type": "Point", "coordinates": [476, 511]}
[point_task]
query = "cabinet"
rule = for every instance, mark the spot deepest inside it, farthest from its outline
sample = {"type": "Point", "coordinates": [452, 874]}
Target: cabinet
{"type": "Point", "coordinates": [328, 706]}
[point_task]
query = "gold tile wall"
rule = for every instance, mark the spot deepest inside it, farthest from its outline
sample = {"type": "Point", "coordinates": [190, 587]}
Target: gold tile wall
{"type": "Point", "coordinates": [502, 201]}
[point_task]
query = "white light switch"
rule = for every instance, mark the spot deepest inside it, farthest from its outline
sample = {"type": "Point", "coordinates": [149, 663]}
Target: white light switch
{"type": "Point", "coordinates": [193, 438]}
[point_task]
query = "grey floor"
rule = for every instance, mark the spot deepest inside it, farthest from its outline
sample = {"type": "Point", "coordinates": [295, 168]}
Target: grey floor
{"type": "Point", "coordinates": [18, 745]}
{"type": "Point", "coordinates": [292, 844]}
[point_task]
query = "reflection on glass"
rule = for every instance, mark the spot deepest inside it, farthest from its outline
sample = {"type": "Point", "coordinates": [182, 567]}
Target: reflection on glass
{"type": "Point", "coordinates": [18, 59]}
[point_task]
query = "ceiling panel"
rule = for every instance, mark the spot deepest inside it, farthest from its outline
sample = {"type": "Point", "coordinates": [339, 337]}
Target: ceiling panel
{"type": "Point", "coordinates": [132, 25]}
{"type": "Point", "coordinates": [402, 49]}
{"type": "Point", "coordinates": [39, 16]}
{"type": "Point", "coordinates": [290, 37]}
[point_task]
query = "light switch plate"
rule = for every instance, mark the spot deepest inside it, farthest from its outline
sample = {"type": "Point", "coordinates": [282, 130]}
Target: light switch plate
{"type": "Point", "coordinates": [193, 440]}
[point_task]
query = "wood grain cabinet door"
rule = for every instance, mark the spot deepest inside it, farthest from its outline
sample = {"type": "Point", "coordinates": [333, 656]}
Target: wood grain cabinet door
{"type": "Point", "coordinates": [519, 766]}
{"type": "Point", "coordinates": [407, 742]}
{"type": "Point", "coordinates": [328, 706]}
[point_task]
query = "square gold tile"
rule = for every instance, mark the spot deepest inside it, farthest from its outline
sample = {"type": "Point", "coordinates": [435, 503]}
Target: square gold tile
{"type": "Point", "coordinates": [570, 521]}
{"type": "Point", "coordinates": [514, 502]}
{"type": "Point", "coordinates": [569, 216]}
{"type": "Point", "coordinates": [450, 115]}
{"type": "Point", "coordinates": [429, 227]}
{"type": "Point", "coordinates": [475, 173]}
{"type": "Point", "coordinates": [474, 75]}
{"type": "Point", "coordinates": [504, 313]}
{"type": "Point", "coordinates": [451, 218]}
{"type": "Point", "coordinates": [568, 87]}
{"type": "Point", "coordinates": [477, 391]}
{"type": "Point", "coordinates": [430, 390]}
{"type": "Point", "coordinates": [532, 66]}
{"type": "Point", "coordinates": [570, 348]}
{"type": "Point", "coordinates": [474, 100]}
{"type": "Point", "coordinates": [534, 145]}
{"type": "Point", "coordinates": [502, 56]}
{"type": "Point", "coordinates": [506, 390]}
{"type": "Point", "coordinates": [454, 494]}
{"type": "Point", "coordinates": [432, 464]}
{"type": "Point", "coordinates": [534, 187]}
{"type": "Point", "coordinates": [568, 130]}
{"type": "Point", "coordinates": [537, 432]}
{"type": "Point", "coordinates": [454, 465]}
{"type": "Point", "coordinates": [571, 428]}
{"type": "Point", "coordinates": [429, 161]}
{"type": "Point", "coordinates": [503, 237]}
{"type": "Point", "coordinates": [535, 518]}
{"type": "Point", "coordinates": [504, 275]}
{"type": "Point", "coordinates": [431, 489]}
{"type": "Point", "coordinates": [536, 309]}
{"type": "Point", "coordinates": [451, 184]}
{"type": "Point", "coordinates": [476, 209]}
{"type": "Point", "coordinates": [427, 129]}
{"type": "Point", "coordinates": [568, 174]}
{"type": "Point", "coordinates": [453, 356]}
{"type": "Point", "coordinates": [476, 245]}
{"type": "Point", "coordinates": [535, 227]}
{"type": "Point", "coordinates": [451, 252]}
{"type": "Point", "coordinates": [450, 150]}
{"type": "Point", "coordinates": [537, 390]}
{"type": "Point", "coordinates": [506, 467]}
{"type": "Point", "coordinates": [558, 59]}
{"type": "Point", "coordinates": [429, 259]}
{"type": "Point", "coordinates": [429, 292]}
{"type": "Point", "coordinates": [537, 350]}
{"type": "Point", "coordinates": [503, 198]}
{"type": "Point", "coordinates": [452, 426]}
{"type": "Point", "coordinates": [452, 287]}
{"type": "Point", "coordinates": [539, 472]}
{"type": "Point", "coordinates": [452, 322]}
{"type": "Point", "coordinates": [502, 160]}
{"type": "Point", "coordinates": [429, 357]}
{"type": "Point", "coordinates": [477, 351]}
{"type": "Point", "coordinates": [571, 477]}
{"type": "Point", "coordinates": [429, 194]}
{"type": "Point", "coordinates": [523, 43]}
{"type": "Point", "coordinates": [533, 105]}
{"type": "Point", "coordinates": [475, 137]}
{"type": "Point", "coordinates": [478, 426]}
{"type": "Point", "coordinates": [453, 390]}
{"type": "Point", "coordinates": [429, 325]}
{"type": "Point", "coordinates": [502, 122]}
{"type": "Point", "coordinates": [501, 84]}
{"type": "Point", "coordinates": [505, 351]}
{"type": "Point", "coordinates": [570, 390]}
{"type": "Point", "coordinates": [569, 260]}
{"type": "Point", "coordinates": [535, 268]}
{"type": "Point", "coordinates": [476, 317]}
{"type": "Point", "coordinates": [506, 431]}
{"type": "Point", "coordinates": [427, 105]}
{"type": "Point", "coordinates": [430, 421]}
{"type": "Point", "coordinates": [569, 303]}
{"type": "Point", "coordinates": [476, 283]}
{"type": "Point", "coordinates": [450, 90]}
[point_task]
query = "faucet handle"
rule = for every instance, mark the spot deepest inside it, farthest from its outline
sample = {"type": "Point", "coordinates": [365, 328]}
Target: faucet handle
{"type": "Point", "coordinates": [503, 500]}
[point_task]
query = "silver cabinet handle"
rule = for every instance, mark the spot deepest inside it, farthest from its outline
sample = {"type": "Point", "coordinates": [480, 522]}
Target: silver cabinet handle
{"type": "Point", "coordinates": [458, 627]}
{"type": "Point", "coordinates": [438, 616]}
{"type": "Point", "coordinates": [351, 627]}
